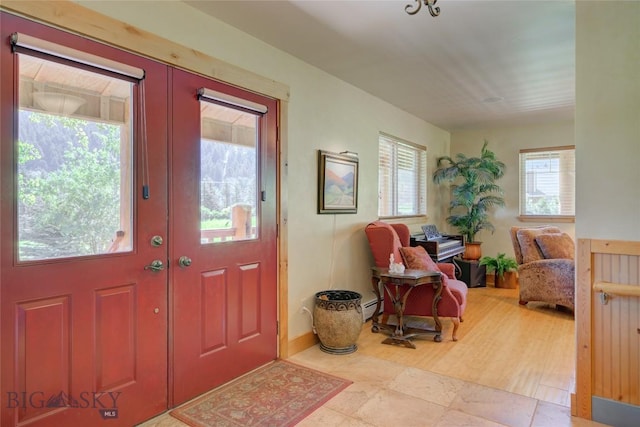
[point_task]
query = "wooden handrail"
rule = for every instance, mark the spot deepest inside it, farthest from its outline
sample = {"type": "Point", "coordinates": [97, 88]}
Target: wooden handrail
{"type": "Point", "coordinates": [222, 234]}
{"type": "Point", "coordinates": [115, 245]}
{"type": "Point", "coordinates": [623, 289]}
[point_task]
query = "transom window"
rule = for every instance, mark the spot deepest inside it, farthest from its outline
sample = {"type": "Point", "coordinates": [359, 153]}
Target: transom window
{"type": "Point", "coordinates": [402, 178]}
{"type": "Point", "coordinates": [547, 183]}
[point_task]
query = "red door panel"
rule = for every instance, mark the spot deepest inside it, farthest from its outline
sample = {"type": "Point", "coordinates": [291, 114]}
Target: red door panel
{"type": "Point", "coordinates": [213, 307]}
{"type": "Point", "coordinates": [115, 331]}
{"type": "Point", "coordinates": [250, 298]}
{"type": "Point", "coordinates": [84, 334]}
{"type": "Point", "coordinates": [87, 333]}
{"type": "Point", "coordinates": [224, 302]}
{"type": "Point", "coordinates": [44, 363]}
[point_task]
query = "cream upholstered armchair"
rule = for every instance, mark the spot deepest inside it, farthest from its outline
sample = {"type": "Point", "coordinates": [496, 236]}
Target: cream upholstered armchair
{"type": "Point", "coordinates": [546, 268]}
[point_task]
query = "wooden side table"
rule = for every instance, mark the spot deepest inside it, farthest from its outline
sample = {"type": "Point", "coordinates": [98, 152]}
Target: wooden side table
{"type": "Point", "coordinates": [399, 287]}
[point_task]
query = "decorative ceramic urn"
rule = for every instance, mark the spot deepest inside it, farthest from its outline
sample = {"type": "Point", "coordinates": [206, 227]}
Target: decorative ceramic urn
{"type": "Point", "coordinates": [337, 318]}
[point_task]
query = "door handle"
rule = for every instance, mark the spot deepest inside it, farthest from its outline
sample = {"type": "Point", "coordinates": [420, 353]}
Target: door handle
{"type": "Point", "coordinates": [184, 261]}
{"type": "Point", "coordinates": [156, 265]}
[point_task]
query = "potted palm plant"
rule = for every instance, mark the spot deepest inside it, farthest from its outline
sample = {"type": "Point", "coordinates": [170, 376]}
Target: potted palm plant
{"type": "Point", "coordinates": [474, 193]}
{"type": "Point", "coordinates": [504, 268]}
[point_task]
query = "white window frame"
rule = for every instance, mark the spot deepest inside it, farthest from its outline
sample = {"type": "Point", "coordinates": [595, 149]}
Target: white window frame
{"type": "Point", "coordinates": [562, 178]}
{"type": "Point", "coordinates": [391, 152]}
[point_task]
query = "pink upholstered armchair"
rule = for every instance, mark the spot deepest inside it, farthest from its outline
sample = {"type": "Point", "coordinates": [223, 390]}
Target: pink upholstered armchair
{"type": "Point", "coordinates": [546, 265]}
{"type": "Point", "coordinates": [385, 239]}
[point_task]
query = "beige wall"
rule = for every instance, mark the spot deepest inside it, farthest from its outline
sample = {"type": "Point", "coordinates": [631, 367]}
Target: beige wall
{"type": "Point", "coordinates": [608, 119]}
{"type": "Point", "coordinates": [506, 143]}
{"type": "Point", "coordinates": [325, 251]}
{"type": "Point", "coordinates": [608, 206]}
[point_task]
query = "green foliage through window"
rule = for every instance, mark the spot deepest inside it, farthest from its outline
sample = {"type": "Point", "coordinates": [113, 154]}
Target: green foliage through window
{"type": "Point", "coordinates": [68, 186]}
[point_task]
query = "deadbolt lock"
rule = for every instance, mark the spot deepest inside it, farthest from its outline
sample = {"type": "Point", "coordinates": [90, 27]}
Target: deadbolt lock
{"type": "Point", "coordinates": [184, 261]}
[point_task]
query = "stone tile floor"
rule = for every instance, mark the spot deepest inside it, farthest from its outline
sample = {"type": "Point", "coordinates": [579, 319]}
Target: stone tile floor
{"type": "Point", "coordinates": [387, 393]}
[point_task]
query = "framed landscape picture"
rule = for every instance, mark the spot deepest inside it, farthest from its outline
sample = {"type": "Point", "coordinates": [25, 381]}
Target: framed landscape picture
{"type": "Point", "coordinates": [337, 183]}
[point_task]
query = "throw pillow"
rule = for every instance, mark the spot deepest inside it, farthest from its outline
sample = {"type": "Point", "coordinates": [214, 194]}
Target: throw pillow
{"type": "Point", "coordinates": [556, 245]}
{"type": "Point", "coordinates": [528, 247]}
{"type": "Point", "coordinates": [417, 258]}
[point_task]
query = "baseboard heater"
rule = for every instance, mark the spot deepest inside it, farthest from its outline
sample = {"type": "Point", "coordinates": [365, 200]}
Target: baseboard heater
{"type": "Point", "coordinates": [369, 307]}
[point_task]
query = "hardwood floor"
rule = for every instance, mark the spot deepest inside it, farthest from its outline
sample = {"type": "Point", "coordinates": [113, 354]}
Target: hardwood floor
{"type": "Point", "coordinates": [528, 350]}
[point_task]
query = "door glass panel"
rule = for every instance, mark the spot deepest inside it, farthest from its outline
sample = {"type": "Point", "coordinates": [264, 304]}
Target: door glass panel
{"type": "Point", "coordinates": [228, 174]}
{"type": "Point", "coordinates": [74, 161]}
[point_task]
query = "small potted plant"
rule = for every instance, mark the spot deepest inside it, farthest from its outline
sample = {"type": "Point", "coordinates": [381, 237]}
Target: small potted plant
{"type": "Point", "coordinates": [505, 270]}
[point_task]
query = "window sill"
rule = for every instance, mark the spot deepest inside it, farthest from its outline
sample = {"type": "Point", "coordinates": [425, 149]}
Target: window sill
{"type": "Point", "coordinates": [402, 217]}
{"type": "Point", "coordinates": [546, 218]}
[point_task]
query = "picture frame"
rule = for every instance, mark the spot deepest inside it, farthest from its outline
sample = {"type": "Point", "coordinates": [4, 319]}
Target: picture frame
{"type": "Point", "coordinates": [337, 183]}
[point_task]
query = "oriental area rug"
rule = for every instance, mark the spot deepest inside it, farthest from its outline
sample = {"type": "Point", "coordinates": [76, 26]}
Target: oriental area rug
{"type": "Point", "coordinates": [277, 395]}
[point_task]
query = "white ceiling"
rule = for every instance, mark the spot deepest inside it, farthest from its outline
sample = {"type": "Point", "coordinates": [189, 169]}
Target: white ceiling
{"type": "Point", "coordinates": [479, 64]}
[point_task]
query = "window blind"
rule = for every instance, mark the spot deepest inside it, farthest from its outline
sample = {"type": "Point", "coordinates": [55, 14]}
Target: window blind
{"type": "Point", "coordinates": [19, 40]}
{"type": "Point", "coordinates": [225, 99]}
{"type": "Point", "coordinates": [402, 178]}
{"type": "Point", "coordinates": [547, 181]}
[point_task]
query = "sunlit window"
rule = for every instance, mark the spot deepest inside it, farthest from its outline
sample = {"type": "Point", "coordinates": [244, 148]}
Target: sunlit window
{"type": "Point", "coordinates": [402, 178]}
{"type": "Point", "coordinates": [547, 182]}
{"type": "Point", "coordinates": [228, 174]}
{"type": "Point", "coordinates": [74, 161]}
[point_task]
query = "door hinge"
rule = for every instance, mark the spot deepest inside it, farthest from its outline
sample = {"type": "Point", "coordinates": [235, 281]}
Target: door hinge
{"type": "Point", "coordinates": [263, 195]}
{"type": "Point", "coordinates": [277, 328]}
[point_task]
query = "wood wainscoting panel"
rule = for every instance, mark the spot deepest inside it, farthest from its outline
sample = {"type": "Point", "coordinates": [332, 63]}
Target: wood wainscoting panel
{"type": "Point", "coordinates": [616, 352]}
{"type": "Point", "coordinates": [608, 324]}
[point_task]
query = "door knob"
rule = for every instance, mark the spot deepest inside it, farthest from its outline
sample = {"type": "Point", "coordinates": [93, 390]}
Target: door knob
{"type": "Point", "coordinates": [156, 265]}
{"type": "Point", "coordinates": [184, 261]}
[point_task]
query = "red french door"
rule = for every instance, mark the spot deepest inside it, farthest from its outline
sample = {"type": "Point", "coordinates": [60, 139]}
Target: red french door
{"type": "Point", "coordinates": [223, 223]}
{"type": "Point", "coordinates": [83, 323]}
{"type": "Point", "coordinates": [138, 252]}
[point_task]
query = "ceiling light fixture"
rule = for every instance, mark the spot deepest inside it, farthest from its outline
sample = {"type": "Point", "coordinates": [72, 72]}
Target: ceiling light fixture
{"type": "Point", "coordinates": [60, 103]}
{"type": "Point", "coordinates": [415, 8]}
